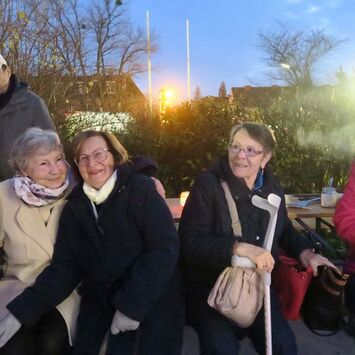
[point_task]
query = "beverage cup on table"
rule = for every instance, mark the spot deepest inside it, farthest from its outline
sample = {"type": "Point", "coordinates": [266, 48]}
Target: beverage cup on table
{"type": "Point", "coordinates": [328, 197]}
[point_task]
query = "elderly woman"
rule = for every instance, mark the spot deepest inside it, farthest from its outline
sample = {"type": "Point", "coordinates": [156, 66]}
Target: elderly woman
{"type": "Point", "coordinates": [30, 206]}
{"type": "Point", "coordinates": [208, 242]}
{"type": "Point", "coordinates": [117, 238]}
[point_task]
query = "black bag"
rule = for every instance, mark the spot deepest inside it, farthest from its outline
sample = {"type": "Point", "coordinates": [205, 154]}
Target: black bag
{"type": "Point", "coordinates": [322, 308]}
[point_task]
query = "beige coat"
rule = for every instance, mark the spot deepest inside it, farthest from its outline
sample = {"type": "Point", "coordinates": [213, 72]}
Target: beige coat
{"type": "Point", "coordinates": [28, 245]}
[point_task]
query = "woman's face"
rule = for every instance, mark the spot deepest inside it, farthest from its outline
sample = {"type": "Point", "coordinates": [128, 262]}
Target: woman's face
{"type": "Point", "coordinates": [241, 163]}
{"type": "Point", "coordinates": [93, 169]}
{"type": "Point", "coordinates": [48, 169]}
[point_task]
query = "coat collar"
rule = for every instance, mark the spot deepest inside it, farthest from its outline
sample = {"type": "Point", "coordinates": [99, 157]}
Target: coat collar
{"type": "Point", "coordinates": [44, 236]}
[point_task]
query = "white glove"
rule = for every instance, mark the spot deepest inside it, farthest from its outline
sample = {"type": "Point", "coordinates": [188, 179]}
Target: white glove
{"type": "Point", "coordinates": [9, 326]}
{"type": "Point", "coordinates": [121, 323]}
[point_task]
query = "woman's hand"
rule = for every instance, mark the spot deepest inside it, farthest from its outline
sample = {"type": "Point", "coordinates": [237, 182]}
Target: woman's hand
{"type": "Point", "coordinates": [260, 256]}
{"type": "Point", "coordinates": [121, 323]}
{"type": "Point", "coordinates": [309, 258]}
{"type": "Point", "coordinates": [9, 326]}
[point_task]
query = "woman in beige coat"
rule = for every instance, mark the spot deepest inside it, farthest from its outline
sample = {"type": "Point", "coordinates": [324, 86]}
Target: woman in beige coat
{"type": "Point", "coordinates": [30, 206]}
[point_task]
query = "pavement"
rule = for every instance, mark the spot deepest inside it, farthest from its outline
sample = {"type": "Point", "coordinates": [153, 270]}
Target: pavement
{"type": "Point", "coordinates": [307, 342]}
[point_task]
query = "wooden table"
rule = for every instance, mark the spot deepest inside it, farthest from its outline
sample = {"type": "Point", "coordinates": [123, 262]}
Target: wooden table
{"type": "Point", "coordinates": [300, 215]}
{"type": "Point", "coordinates": [312, 211]}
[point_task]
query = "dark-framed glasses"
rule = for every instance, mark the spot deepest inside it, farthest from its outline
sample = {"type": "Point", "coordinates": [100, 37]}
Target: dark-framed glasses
{"type": "Point", "coordinates": [248, 151]}
{"type": "Point", "coordinates": [99, 155]}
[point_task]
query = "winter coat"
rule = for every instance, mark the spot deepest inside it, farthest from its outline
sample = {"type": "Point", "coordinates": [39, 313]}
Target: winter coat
{"type": "Point", "coordinates": [125, 260]}
{"type": "Point", "coordinates": [22, 109]}
{"type": "Point", "coordinates": [344, 220]}
{"type": "Point", "coordinates": [205, 228]}
{"type": "Point", "coordinates": [28, 245]}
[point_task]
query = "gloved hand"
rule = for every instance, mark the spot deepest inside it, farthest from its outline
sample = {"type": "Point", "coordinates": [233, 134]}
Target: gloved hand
{"type": "Point", "coordinates": [9, 326]}
{"type": "Point", "coordinates": [121, 323]}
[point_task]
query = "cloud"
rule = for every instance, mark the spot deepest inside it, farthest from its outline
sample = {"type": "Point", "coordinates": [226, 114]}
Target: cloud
{"type": "Point", "coordinates": [291, 15]}
{"type": "Point", "coordinates": [334, 4]}
{"type": "Point", "coordinates": [313, 9]}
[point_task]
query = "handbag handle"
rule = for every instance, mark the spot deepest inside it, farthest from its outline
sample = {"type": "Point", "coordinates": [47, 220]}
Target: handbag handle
{"type": "Point", "coordinates": [237, 229]}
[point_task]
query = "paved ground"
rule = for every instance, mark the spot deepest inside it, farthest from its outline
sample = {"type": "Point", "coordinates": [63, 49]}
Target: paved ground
{"type": "Point", "coordinates": [308, 343]}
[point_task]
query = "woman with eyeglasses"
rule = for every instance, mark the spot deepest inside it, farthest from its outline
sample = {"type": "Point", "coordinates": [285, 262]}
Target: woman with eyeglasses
{"type": "Point", "coordinates": [30, 205]}
{"type": "Point", "coordinates": [208, 242]}
{"type": "Point", "coordinates": [116, 239]}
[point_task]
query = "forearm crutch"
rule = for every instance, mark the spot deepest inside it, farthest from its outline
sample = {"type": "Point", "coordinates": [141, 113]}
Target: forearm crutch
{"type": "Point", "coordinates": [271, 204]}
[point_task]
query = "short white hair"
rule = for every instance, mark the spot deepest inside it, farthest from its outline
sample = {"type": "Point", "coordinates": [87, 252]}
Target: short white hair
{"type": "Point", "coordinates": [29, 143]}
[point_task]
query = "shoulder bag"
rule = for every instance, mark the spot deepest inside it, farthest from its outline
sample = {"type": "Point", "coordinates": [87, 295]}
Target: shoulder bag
{"type": "Point", "coordinates": [238, 292]}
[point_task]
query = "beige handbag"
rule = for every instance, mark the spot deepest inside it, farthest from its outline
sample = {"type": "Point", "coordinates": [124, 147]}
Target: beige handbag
{"type": "Point", "coordinates": [238, 292]}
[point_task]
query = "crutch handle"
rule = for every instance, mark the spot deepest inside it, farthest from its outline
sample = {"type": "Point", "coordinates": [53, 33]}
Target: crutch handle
{"type": "Point", "coordinates": [242, 261]}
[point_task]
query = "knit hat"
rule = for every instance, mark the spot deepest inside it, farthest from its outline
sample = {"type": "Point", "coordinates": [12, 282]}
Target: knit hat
{"type": "Point", "coordinates": [2, 60]}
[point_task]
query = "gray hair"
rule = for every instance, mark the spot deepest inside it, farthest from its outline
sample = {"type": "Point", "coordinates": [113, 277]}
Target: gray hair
{"type": "Point", "coordinates": [259, 132]}
{"type": "Point", "coordinates": [29, 143]}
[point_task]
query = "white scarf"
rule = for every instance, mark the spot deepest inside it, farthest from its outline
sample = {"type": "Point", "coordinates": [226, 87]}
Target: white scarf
{"type": "Point", "coordinates": [34, 194]}
{"type": "Point", "coordinates": [99, 196]}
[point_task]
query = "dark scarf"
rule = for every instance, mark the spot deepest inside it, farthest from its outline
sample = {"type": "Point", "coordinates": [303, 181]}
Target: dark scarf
{"type": "Point", "coordinates": [6, 97]}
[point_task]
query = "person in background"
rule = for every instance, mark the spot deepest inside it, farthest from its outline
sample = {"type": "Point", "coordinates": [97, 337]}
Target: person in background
{"type": "Point", "coordinates": [117, 239]}
{"type": "Point", "coordinates": [208, 242]}
{"type": "Point", "coordinates": [20, 109]}
{"type": "Point", "coordinates": [344, 221]}
{"type": "Point", "coordinates": [30, 205]}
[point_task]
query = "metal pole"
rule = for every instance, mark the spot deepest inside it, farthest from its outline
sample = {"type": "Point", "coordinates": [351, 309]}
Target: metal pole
{"type": "Point", "coordinates": [188, 59]}
{"type": "Point", "coordinates": [149, 68]}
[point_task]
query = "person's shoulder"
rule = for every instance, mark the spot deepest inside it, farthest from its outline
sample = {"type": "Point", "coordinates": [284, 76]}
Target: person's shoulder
{"type": "Point", "coordinates": [6, 185]}
{"type": "Point", "coordinates": [7, 191]}
{"type": "Point", "coordinates": [206, 178]}
{"type": "Point", "coordinates": [141, 181]}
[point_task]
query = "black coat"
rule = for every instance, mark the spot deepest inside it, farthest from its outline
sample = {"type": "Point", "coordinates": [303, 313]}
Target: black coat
{"type": "Point", "coordinates": [205, 230]}
{"type": "Point", "coordinates": [126, 260]}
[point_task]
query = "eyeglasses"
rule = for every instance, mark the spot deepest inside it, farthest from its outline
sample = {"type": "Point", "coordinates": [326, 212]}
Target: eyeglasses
{"type": "Point", "coordinates": [98, 156]}
{"type": "Point", "coordinates": [248, 151]}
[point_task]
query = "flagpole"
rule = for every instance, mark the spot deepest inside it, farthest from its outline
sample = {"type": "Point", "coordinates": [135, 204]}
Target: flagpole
{"type": "Point", "coordinates": [188, 59]}
{"type": "Point", "coordinates": [149, 67]}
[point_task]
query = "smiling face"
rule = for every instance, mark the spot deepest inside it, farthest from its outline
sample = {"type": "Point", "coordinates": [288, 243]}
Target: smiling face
{"type": "Point", "coordinates": [95, 172]}
{"type": "Point", "coordinates": [243, 166]}
{"type": "Point", "coordinates": [48, 169]}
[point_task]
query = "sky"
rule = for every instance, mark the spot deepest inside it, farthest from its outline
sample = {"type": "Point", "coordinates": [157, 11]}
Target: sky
{"type": "Point", "coordinates": [223, 39]}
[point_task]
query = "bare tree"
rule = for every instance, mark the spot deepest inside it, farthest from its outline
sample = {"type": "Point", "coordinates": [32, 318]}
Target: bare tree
{"type": "Point", "coordinates": [59, 45]}
{"type": "Point", "coordinates": [292, 56]}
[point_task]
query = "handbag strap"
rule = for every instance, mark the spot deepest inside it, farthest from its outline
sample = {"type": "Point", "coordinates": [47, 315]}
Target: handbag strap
{"type": "Point", "coordinates": [237, 229]}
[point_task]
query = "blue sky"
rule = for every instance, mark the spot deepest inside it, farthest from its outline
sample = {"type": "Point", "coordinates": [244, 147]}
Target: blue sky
{"type": "Point", "coordinates": [223, 39]}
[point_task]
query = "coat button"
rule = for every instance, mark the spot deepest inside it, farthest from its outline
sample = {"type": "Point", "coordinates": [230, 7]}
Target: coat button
{"type": "Point", "coordinates": [257, 237]}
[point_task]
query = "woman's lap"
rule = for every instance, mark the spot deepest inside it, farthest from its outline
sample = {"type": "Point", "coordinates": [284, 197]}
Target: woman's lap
{"type": "Point", "coordinates": [48, 337]}
{"type": "Point", "coordinates": [217, 335]}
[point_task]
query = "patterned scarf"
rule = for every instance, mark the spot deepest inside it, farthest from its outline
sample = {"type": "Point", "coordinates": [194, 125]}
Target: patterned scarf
{"type": "Point", "coordinates": [34, 194]}
{"type": "Point", "coordinates": [99, 196]}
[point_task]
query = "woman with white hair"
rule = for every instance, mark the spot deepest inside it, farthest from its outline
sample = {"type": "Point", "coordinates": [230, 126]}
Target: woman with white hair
{"type": "Point", "coordinates": [30, 205]}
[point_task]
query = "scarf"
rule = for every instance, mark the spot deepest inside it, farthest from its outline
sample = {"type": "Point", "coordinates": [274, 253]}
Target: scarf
{"type": "Point", "coordinates": [34, 194]}
{"type": "Point", "coordinates": [99, 196]}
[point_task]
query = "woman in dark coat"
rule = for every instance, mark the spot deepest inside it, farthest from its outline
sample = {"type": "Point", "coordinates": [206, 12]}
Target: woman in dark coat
{"type": "Point", "coordinates": [208, 243]}
{"type": "Point", "coordinates": [117, 238]}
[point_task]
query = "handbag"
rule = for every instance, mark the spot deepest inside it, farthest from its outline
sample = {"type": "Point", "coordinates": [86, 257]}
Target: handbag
{"type": "Point", "coordinates": [238, 292]}
{"type": "Point", "coordinates": [322, 309]}
{"type": "Point", "coordinates": [291, 282]}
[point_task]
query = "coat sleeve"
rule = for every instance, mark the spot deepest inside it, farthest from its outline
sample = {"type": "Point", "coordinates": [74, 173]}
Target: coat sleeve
{"type": "Point", "coordinates": [52, 286]}
{"type": "Point", "coordinates": [344, 217]}
{"type": "Point", "coordinates": [291, 240]}
{"type": "Point", "coordinates": [151, 273]}
{"type": "Point", "coordinates": [201, 245]}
